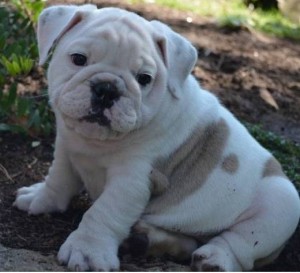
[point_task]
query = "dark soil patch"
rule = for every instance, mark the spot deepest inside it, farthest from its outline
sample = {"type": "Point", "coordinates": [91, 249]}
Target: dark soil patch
{"type": "Point", "coordinates": [239, 66]}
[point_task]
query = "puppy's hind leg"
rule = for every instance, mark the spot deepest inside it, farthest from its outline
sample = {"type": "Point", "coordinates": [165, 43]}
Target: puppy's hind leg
{"type": "Point", "coordinates": [146, 239]}
{"type": "Point", "coordinates": [257, 234]}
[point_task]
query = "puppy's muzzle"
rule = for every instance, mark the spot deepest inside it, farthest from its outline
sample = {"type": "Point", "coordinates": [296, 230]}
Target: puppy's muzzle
{"type": "Point", "coordinates": [103, 96]}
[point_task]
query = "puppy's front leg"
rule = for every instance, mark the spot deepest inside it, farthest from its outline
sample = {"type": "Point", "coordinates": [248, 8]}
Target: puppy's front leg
{"type": "Point", "coordinates": [94, 245]}
{"type": "Point", "coordinates": [56, 191]}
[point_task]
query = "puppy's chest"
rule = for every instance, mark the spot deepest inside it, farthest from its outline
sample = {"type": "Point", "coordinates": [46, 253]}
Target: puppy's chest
{"type": "Point", "coordinates": [91, 174]}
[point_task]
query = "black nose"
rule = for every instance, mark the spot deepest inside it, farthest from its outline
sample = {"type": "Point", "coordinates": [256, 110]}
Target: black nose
{"type": "Point", "coordinates": [104, 94]}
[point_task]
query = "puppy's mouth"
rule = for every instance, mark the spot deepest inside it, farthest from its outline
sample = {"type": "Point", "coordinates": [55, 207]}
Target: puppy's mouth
{"type": "Point", "coordinates": [120, 117]}
{"type": "Point", "coordinates": [96, 116]}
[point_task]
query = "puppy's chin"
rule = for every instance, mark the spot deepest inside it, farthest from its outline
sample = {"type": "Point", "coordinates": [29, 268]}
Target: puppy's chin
{"type": "Point", "coordinates": [91, 131]}
{"type": "Point", "coordinates": [108, 124]}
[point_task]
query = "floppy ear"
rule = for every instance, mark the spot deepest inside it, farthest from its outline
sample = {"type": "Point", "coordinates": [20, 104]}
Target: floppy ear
{"type": "Point", "coordinates": [178, 53]}
{"type": "Point", "coordinates": [54, 22]}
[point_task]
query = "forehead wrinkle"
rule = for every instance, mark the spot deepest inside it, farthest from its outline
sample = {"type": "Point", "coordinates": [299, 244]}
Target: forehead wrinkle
{"type": "Point", "coordinates": [121, 39]}
{"type": "Point", "coordinates": [128, 45]}
{"type": "Point", "coordinates": [137, 27]}
{"type": "Point", "coordinates": [122, 23]}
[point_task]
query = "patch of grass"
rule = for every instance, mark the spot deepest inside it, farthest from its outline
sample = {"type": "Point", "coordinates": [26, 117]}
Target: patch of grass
{"type": "Point", "coordinates": [234, 14]}
{"type": "Point", "coordinates": [287, 152]}
{"type": "Point", "coordinates": [18, 52]}
{"type": "Point", "coordinates": [274, 23]}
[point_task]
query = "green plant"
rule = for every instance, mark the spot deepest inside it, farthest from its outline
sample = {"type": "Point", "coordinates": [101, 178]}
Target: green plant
{"type": "Point", "coordinates": [17, 65]}
{"type": "Point", "coordinates": [25, 113]}
{"type": "Point", "coordinates": [287, 152]}
{"type": "Point", "coordinates": [31, 115]}
{"type": "Point", "coordinates": [28, 8]}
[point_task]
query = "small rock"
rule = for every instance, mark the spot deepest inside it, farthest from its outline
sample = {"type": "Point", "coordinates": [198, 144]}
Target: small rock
{"type": "Point", "coordinates": [268, 98]}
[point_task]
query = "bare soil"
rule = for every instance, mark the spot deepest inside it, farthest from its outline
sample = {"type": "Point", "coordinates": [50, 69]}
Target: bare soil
{"type": "Point", "coordinates": [257, 77]}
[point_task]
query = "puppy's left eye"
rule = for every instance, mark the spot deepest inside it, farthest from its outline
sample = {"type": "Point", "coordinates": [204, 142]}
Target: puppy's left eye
{"type": "Point", "coordinates": [143, 79]}
{"type": "Point", "coordinates": [78, 59]}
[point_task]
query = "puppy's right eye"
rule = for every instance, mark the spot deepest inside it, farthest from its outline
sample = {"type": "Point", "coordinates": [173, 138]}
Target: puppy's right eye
{"type": "Point", "coordinates": [79, 59]}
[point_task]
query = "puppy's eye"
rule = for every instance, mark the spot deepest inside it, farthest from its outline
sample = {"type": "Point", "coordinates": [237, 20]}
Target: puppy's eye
{"type": "Point", "coordinates": [78, 59]}
{"type": "Point", "coordinates": [143, 79]}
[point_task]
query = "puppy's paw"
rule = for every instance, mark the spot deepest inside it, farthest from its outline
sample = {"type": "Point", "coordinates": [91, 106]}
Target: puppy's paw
{"type": "Point", "coordinates": [37, 199]}
{"type": "Point", "coordinates": [82, 251]}
{"type": "Point", "coordinates": [210, 258]}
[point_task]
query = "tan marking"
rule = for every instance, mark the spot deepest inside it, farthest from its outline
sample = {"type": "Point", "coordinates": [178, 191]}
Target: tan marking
{"type": "Point", "coordinates": [162, 242]}
{"type": "Point", "coordinates": [273, 168]}
{"type": "Point", "coordinates": [190, 165]}
{"type": "Point", "coordinates": [159, 182]}
{"type": "Point", "coordinates": [230, 164]}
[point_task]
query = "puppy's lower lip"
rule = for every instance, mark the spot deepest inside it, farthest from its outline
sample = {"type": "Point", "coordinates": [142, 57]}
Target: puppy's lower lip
{"type": "Point", "coordinates": [96, 117]}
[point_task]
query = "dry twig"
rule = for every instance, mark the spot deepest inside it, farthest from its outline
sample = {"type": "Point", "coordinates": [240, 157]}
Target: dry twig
{"type": "Point", "coordinates": [7, 175]}
{"type": "Point", "coordinates": [5, 172]}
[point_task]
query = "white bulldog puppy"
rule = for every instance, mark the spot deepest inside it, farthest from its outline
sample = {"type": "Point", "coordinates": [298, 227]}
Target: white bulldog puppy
{"type": "Point", "coordinates": [128, 109]}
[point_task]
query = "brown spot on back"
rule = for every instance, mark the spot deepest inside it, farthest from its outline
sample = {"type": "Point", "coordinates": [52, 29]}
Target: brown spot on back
{"type": "Point", "coordinates": [189, 166]}
{"type": "Point", "coordinates": [273, 168]}
{"type": "Point", "coordinates": [230, 164]}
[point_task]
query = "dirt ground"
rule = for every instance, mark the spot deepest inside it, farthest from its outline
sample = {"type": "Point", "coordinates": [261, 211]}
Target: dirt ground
{"type": "Point", "coordinates": [255, 76]}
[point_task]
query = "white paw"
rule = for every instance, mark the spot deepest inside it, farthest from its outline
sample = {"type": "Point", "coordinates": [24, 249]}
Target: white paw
{"type": "Point", "coordinates": [82, 252]}
{"type": "Point", "coordinates": [36, 199]}
{"type": "Point", "coordinates": [211, 258]}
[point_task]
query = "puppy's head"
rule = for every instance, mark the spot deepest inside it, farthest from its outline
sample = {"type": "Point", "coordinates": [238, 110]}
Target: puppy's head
{"type": "Point", "coordinates": [110, 68]}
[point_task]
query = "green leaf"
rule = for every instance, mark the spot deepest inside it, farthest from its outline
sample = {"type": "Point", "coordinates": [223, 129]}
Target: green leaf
{"type": "Point", "coordinates": [16, 69]}
{"type": "Point", "coordinates": [12, 95]}
{"type": "Point", "coordinates": [23, 106]}
{"type": "Point", "coordinates": [35, 119]}
{"type": "Point", "coordinates": [11, 128]}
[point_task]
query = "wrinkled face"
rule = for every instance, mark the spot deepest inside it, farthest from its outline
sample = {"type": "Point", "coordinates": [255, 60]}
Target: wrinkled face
{"type": "Point", "coordinates": [107, 77]}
